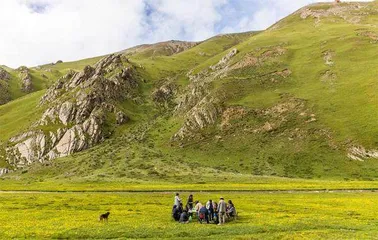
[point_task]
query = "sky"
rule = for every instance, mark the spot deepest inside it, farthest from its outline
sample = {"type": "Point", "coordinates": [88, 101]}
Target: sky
{"type": "Point", "coordinates": [34, 32]}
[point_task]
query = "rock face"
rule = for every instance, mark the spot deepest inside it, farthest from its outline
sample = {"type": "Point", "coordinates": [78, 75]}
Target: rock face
{"type": "Point", "coordinates": [164, 94]}
{"type": "Point", "coordinates": [79, 103]}
{"type": "Point", "coordinates": [224, 60]}
{"type": "Point", "coordinates": [359, 153]}
{"type": "Point", "coordinates": [344, 11]}
{"type": "Point", "coordinates": [5, 95]}
{"type": "Point", "coordinates": [26, 81]}
{"type": "Point", "coordinates": [4, 75]}
{"type": "Point", "coordinates": [199, 105]}
{"type": "Point", "coordinates": [4, 171]}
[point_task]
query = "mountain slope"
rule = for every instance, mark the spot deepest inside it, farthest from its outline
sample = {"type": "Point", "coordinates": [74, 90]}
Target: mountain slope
{"type": "Point", "coordinates": [297, 100]}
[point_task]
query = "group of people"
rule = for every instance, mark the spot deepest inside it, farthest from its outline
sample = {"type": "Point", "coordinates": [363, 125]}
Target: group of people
{"type": "Point", "coordinates": [210, 212]}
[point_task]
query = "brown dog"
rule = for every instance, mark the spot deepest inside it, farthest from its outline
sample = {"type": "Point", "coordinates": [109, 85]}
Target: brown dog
{"type": "Point", "coordinates": [104, 217]}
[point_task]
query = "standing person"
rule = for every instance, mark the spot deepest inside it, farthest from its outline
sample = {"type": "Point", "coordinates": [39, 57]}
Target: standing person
{"type": "Point", "coordinates": [222, 211]}
{"type": "Point", "coordinates": [215, 217]}
{"type": "Point", "coordinates": [177, 200]}
{"type": "Point", "coordinates": [189, 205]}
{"type": "Point", "coordinates": [210, 209]}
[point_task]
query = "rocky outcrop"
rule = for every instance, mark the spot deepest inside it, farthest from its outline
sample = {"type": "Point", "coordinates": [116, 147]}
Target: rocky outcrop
{"type": "Point", "coordinates": [359, 153]}
{"type": "Point", "coordinates": [164, 94]}
{"type": "Point", "coordinates": [4, 75]}
{"type": "Point", "coordinates": [4, 171]}
{"type": "Point", "coordinates": [259, 57]}
{"type": "Point", "coordinates": [222, 63]}
{"type": "Point", "coordinates": [79, 103]}
{"type": "Point", "coordinates": [328, 57]}
{"type": "Point", "coordinates": [199, 105]}
{"type": "Point", "coordinates": [344, 11]}
{"type": "Point", "coordinates": [121, 118]}
{"type": "Point", "coordinates": [5, 95]}
{"type": "Point", "coordinates": [26, 81]}
{"type": "Point", "coordinates": [205, 113]}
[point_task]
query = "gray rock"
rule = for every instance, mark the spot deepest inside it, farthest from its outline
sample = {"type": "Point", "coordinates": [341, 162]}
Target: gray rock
{"type": "Point", "coordinates": [26, 81]}
{"type": "Point", "coordinates": [121, 118]}
{"type": "Point", "coordinates": [224, 60]}
{"type": "Point", "coordinates": [4, 171]}
{"type": "Point", "coordinates": [359, 153]}
{"type": "Point", "coordinates": [92, 95]}
{"type": "Point", "coordinates": [4, 75]}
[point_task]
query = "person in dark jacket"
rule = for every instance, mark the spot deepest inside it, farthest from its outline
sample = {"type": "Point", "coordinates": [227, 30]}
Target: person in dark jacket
{"type": "Point", "coordinates": [184, 218]}
{"type": "Point", "coordinates": [190, 205]}
{"type": "Point", "coordinates": [203, 215]}
{"type": "Point", "coordinates": [215, 216]}
{"type": "Point", "coordinates": [210, 209]}
{"type": "Point", "coordinates": [176, 213]}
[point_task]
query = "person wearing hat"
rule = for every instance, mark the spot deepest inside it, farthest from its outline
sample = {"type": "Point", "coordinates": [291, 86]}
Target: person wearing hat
{"type": "Point", "coordinates": [222, 211]}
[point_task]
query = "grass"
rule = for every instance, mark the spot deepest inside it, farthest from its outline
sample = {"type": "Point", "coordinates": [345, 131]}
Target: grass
{"type": "Point", "coordinates": [17, 115]}
{"type": "Point", "coordinates": [235, 183]}
{"type": "Point", "coordinates": [134, 173]}
{"type": "Point", "coordinates": [295, 148]}
{"type": "Point", "coordinates": [147, 215]}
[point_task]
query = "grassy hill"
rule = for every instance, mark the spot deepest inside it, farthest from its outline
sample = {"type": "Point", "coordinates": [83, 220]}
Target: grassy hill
{"type": "Point", "coordinates": [297, 100]}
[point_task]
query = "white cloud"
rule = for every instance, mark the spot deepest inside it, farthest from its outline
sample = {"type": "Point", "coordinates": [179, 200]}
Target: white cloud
{"type": "Point", "coordinates": [35, 32]}
{"type": "Point", "coordinates": [191, 20]}
{"type": "Point", "coordinates": [68, 29]}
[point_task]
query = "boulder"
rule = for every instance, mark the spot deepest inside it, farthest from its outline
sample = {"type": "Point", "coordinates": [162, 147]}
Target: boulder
{"type": "Point", "coordinates": [121, 118]}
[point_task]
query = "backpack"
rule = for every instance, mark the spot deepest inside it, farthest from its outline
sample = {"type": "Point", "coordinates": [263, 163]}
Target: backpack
{"type": "Point", "coordinates": [202, 216]}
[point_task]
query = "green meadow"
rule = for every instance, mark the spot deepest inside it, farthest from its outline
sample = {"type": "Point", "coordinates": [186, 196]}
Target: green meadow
{"type": "Point", "coordinates": [308, 215]}
{"type": "Point", "coordinates": [278, 147]}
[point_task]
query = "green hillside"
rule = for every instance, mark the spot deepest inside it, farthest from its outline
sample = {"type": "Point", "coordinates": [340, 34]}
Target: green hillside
{"type": "Point", "coordinates": [298, 100]}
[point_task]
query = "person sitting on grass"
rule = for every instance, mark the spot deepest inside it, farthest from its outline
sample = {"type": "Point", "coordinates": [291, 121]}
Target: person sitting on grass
{"type": "Point", "coordinates": [197, 207]}
{"type": "Point", "coordinates": [181, 208]}
{"type": "Point", "coordinates": [176, 213]}
{"type": "Point", "coordinates": [203, 215]}
{"type": "Point", "coordinates": [231, 211]}
{"type": "Point", "coordinates": [184, 218]}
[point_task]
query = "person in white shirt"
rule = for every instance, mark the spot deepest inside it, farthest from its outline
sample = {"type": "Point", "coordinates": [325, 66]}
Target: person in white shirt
{"type": "Point", "coordinates": [177, 200]}
{"type": "Point", "coordinates": [198, 206]}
